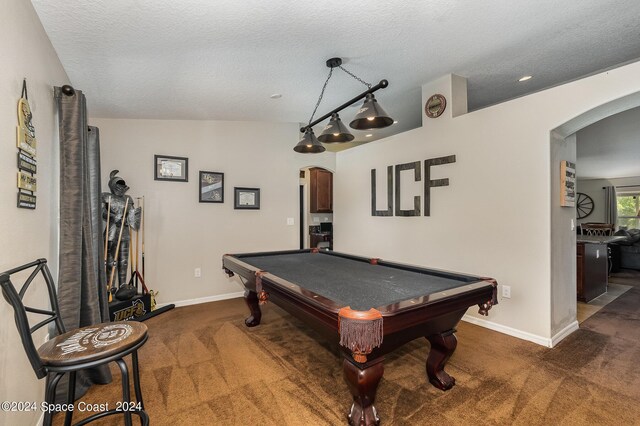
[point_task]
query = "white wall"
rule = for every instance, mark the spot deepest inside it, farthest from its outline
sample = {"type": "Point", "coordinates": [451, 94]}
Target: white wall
{"type": "Point", "coordinates": [26, 234]}
{"type": "Point", "coordinates": [610, 148]}
{"type": "Point", "coordinates": [183, 234]}
{"type": "Point", "coordinates": [494, 218]}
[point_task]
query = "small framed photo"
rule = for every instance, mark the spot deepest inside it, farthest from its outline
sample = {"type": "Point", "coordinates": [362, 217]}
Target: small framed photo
{"type": "Point", "coordinates": [211, 187]}
{"type": "Point", "coordinates": [246, 198]}
{"type": "Point", "coordinates": [171, 168]}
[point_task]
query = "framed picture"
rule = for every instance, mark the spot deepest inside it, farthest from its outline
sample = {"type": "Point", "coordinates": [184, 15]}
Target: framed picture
{"type": "Point", "coordinates": [246, 198]}
{"type": "Point", "coordinates": [171, 168]}
{"type": "Point", "coordinates": [211, 189]}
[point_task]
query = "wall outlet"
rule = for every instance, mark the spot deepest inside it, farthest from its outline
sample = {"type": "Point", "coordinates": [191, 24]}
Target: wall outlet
{"type": "Point", "coordinates": [290, 221]}
{"type": "Point", "coordinates": [506, 291]}
{"type": "Point", "coordinates": [197, 272]}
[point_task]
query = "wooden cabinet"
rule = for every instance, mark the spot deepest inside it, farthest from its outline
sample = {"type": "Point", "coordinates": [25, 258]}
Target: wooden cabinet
{"type": "Point", "coordinates": [592, 270]}
{"type": "Point", "coordinates": [321, 191]}
{"type": "Point", "coordinates": [316, 239]}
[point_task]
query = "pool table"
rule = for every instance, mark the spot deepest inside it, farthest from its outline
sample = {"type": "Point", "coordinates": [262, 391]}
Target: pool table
{"type": "Point", "coordinates": [368, 306]}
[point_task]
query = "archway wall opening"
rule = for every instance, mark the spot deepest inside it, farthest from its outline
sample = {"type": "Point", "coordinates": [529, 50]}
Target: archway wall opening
{"type": "Point", "coordinates": [310, 219]}
{"type": "Point", "coordinates": [563, 220]}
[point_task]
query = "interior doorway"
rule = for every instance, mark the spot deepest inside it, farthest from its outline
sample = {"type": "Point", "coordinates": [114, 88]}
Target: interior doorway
{"type": "Point", "coordinates": [564, 221]}
{"type": "Point", "coordinates": [316, 208]}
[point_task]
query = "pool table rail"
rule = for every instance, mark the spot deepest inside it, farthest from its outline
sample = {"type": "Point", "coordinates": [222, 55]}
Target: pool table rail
{"type": "Point", "coordinates": [233, 263]}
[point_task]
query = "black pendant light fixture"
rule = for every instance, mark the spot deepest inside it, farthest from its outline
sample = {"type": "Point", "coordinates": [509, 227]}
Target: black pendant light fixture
{"type": "Point", "coordinates": [309, 144]}
{"type": "Point", "coordinates": [335, 131]}
{"type": "Point", "coordinates": [370, 116]}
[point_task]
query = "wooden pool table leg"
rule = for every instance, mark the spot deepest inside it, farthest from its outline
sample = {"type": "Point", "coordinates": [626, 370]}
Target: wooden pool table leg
{"type": "Point", "coordinates": [442, 347]}
{"type": "Point", "coordinates": [251, 299]}
{"type": "Point", "coordinates": [363, 385]}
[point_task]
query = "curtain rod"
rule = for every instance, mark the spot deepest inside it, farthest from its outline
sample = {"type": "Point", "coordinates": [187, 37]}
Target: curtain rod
{"type": "Point", "coordinates": [622, 186]}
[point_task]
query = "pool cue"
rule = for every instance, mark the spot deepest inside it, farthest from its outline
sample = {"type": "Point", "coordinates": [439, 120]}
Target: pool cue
{"type": "Point", "coordinates": [142, 225]}
{"type": "Point", "coordinates": [133, 274]}
{"type": "Point", "coordinates": [115, 257]}
{"type": "Point", "coordinates": [106, 237]}
{"type": "Point", "coordinates": [140, 278]}
{"type": "Point", "coordinates": [137, 231]}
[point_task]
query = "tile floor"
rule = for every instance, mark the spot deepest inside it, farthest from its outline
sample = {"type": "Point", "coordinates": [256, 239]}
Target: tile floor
{"type": "Point", "coordinates": [585, 310]}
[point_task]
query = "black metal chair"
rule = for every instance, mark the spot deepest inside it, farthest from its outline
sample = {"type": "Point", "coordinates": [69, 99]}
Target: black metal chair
{"type": "Point", "coordinates": [598, 229]}
{"type": "Point", "coordinates": [78, 349]}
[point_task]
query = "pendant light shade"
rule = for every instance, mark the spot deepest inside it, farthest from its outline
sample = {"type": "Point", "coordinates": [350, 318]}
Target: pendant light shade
{"type": "Point", "coordinates": [335, 131]}
{"type": "Point", "coordinates": [371, 115]}
{"type": "Point", "coordinates": [309, 144]}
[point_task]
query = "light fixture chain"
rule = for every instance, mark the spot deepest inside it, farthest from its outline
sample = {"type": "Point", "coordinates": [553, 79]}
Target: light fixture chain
{"type": "Point", "coordinates": [321, 95]}
{"type": "Point", "coordinates": [354, 76]}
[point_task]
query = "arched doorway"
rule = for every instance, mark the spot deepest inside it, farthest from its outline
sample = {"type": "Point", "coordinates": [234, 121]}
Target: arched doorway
{"type": "Point", "coordinates": [563, 220]}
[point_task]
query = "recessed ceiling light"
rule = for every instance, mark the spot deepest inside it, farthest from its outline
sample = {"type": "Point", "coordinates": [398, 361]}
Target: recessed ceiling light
{"type": "Point", "coordinates": [369, 135]}
{"type": "Point", "coordinates": [276, 96]}
{"type": "Point", "coordinates": [525, 78]}
{"type": "Point", "coordinates": [395, 121]}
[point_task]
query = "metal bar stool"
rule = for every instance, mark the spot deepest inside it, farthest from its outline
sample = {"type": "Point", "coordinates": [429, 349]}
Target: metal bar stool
{"type": "Point", "coordinates": [75, 350]}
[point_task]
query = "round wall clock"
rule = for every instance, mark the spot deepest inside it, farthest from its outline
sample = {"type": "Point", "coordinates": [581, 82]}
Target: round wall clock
{"type": "Point", "coordinates": [584, 205]}
{"type": "Point", "coordinates": [435, 106]}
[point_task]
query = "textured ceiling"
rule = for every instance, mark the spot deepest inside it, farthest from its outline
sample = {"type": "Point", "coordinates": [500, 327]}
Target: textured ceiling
{"type": "Point", "coordinates": [221, 60]}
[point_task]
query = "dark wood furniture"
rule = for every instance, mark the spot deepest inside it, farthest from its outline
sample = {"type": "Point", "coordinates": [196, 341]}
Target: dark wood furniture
{"type": "Point", "coordinates": [592, 264]}
{"type": "Point", "coordinates": [75, 350]}
{"type": "Point", "coordinates": [368, 306]}
{"type": "Point", "coordinates": [320, 237]}
{"type": "Point", "coordinates": [321, 191]}
{"type": "Point", "coordinates": [592, 270]}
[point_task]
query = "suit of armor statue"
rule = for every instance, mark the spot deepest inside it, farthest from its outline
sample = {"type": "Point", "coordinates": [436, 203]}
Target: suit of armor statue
{"type": "Point", "coordinates": [114, 205]}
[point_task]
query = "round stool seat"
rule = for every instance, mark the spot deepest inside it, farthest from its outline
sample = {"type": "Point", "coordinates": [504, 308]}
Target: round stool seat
{"type": "Point", "coordinates": [92, 343]}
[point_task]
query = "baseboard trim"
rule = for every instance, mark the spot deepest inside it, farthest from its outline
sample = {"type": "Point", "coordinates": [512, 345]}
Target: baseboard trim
{"type": "Point", "coordinates": [544, 341]}
{"type": "Point", "coordinates": [564, 333]}
{"type": "Point", "coordinates": [206, 299]}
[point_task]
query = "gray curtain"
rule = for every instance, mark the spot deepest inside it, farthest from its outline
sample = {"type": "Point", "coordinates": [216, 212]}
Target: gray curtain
{"type": "Point", "coordinates": [610, 205]}
{"type": "Point", "coordinates": [81, 279]}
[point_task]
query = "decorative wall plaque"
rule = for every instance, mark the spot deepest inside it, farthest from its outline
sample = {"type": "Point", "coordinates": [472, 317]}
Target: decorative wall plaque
{"type": "Point", "coordinates": [26, 163]}
{"type": "Point", "coordinates": [26, 200]}
{"type": "Point", "coordinates": [27, 182]}
{"type": "Point", "coordinates": [567, 184]}
{"type": "Point", "coordinates": [26, 143]}
{"type": "Point", "coordinates": [26, 132]}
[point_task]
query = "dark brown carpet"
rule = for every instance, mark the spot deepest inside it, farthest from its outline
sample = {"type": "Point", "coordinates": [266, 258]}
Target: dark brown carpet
{"type": "Point", "coordinates": [202, 366]}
